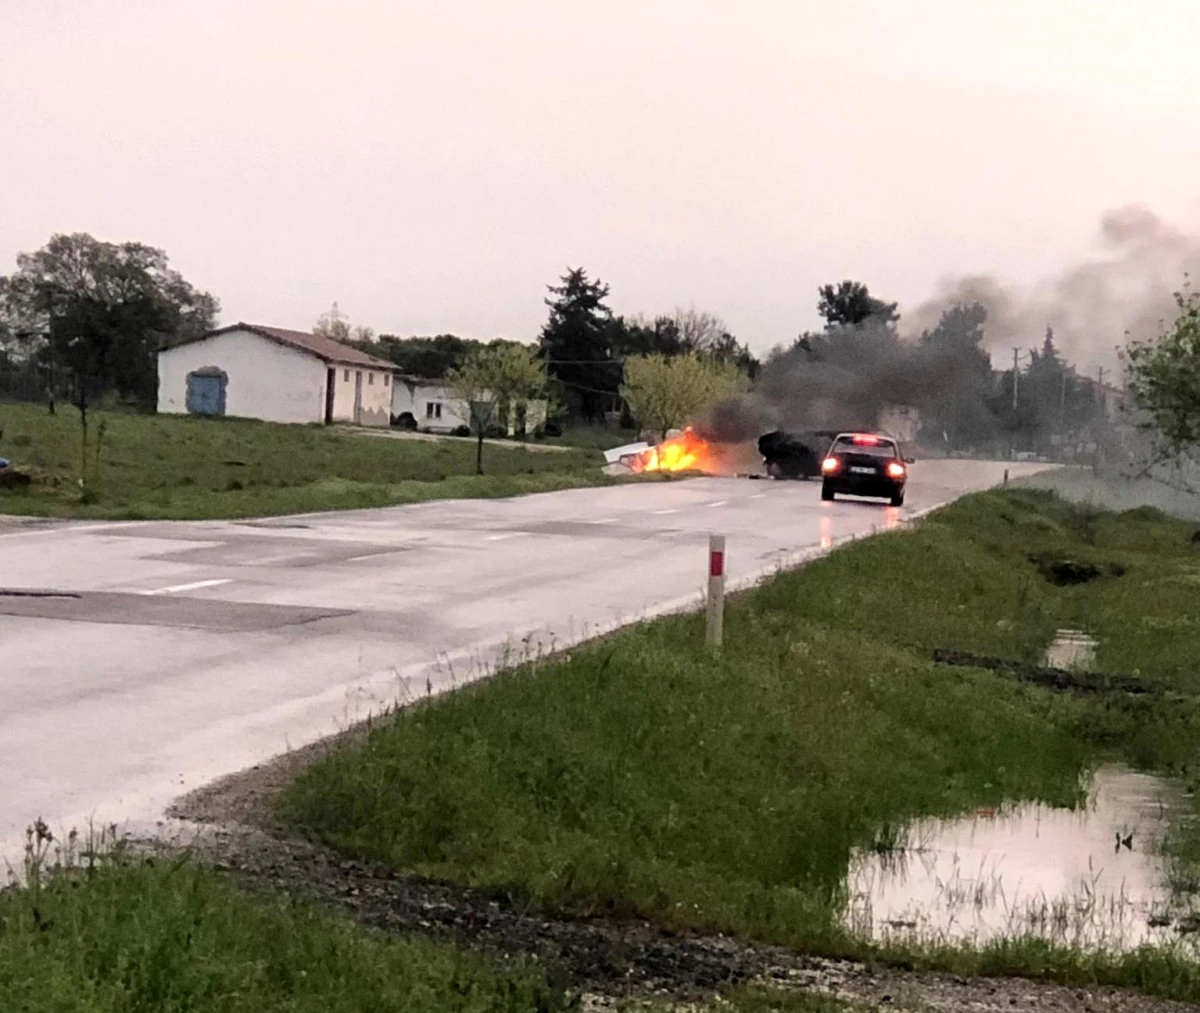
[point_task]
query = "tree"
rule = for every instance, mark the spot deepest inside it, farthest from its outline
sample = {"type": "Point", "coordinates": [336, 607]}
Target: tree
{"type": "Point", "coordinates": [330, 326]}
{"type": "Point", "coordinates": [577, 343]}
{"type": "Point", "coordinates": [494, 380]}
{"type": "Point", "coordinates": [664, 392]}
{"type": "Point", "coordinates": [849, 304]}
{"type": "Point", "coordinates": [432, 358]}
{"type": "Point", "coordinates": [94, 314]}
{"type": "Point", "coordinates": [1164, 377]}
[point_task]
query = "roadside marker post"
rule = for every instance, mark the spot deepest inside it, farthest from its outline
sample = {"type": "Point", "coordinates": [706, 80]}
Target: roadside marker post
{"type": "Point", "coordinates": [715, 605]}
{"type": "Point", "coordinates": [1006, 476]}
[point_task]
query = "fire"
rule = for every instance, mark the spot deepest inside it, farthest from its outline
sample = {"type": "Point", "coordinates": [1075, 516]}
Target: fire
{"type": "Point", "coordinates": [684, 453]}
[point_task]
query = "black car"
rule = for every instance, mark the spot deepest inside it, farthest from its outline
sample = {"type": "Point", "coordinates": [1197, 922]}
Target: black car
{"type": "Point", "coordinates": [865, 464]}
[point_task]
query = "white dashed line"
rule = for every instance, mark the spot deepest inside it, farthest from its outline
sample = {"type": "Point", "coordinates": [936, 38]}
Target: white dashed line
{"type": "Point", "coordinates": [509, 534]}
{"type": "Point", "coordinates": [758, 495]}
{"type": "Point", "coordinates": [359, 559]}
{"type": "Point", "coordinates": [720, 502]}
{"type": "Point", "coordinates": [605, 520]}
{"type": "Point", "coordinates": [175, 589]}
{"type": "Point", "coordinates": [663, 513]}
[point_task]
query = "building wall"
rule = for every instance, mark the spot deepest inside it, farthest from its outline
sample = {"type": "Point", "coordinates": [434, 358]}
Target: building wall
{"type": "Point", "coordinates": [376, 395]}
{"type": "Point", "coordinates": [266, 380]}
{"type": "Point", "coordinates": [434, 407]}
{"type": "Point", "coordinates": [437, 410]}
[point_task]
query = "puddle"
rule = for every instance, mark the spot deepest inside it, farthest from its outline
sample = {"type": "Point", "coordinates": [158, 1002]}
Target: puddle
{"type": "Point", "coordinates": [1071, 649]}
{"type": "Point", "coordinates": [1092, 877]}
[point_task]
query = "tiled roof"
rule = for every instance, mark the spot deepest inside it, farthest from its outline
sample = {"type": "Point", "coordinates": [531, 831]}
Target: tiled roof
{"type": "Point", "coordinates": [326, 349]}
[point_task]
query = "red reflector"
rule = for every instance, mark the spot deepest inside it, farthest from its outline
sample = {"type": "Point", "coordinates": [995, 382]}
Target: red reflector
{"type": "Point", "coordinates": [716, 564]}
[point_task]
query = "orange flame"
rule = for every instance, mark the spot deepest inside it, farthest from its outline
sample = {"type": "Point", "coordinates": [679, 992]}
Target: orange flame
{"type": "Point", "coordinates": [684, 453]}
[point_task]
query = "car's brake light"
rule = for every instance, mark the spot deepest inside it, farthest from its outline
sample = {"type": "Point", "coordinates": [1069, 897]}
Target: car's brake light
{"type": "Point", "coordinates": [896, 469]}
{"type": "Point", "coordinates": [866, 439]}
{"type": "Point", "coordinates": [830, 465]}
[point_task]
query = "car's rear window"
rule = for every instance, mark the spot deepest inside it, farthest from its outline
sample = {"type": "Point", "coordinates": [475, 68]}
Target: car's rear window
{"type": "Point", "coordinates": [879, 448]}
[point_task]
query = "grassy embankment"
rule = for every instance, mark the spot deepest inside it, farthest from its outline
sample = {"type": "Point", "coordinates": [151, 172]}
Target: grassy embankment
{"type": "Point", "coordinates": [144, 937]}
{"type": "Point", "coordinates": [188, 468]}
{"type": "Point", "coordinates": [643, 775]}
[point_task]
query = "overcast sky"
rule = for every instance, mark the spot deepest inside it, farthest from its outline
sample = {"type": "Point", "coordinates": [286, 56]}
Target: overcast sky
{"type": "Point", "coordinates": [433, 165]}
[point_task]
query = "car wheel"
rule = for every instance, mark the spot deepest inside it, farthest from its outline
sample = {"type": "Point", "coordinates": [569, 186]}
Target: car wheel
{"type": "Point", "coordinates": [826, 491]}
{"type": "Point", "coordinates": [898, 498]}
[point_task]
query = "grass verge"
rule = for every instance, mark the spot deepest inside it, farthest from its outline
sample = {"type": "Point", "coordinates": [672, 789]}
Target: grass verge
{"type": "Point", "coordinates": [116, 936]}
{"type": "Point", "coordinates": [726, 792]}
{"type": "Point", "coordinates": [179, 467]}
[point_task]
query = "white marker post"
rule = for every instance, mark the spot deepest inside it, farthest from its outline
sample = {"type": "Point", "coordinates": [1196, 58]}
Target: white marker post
{"type": "Point", "coordinates": [715, 606]}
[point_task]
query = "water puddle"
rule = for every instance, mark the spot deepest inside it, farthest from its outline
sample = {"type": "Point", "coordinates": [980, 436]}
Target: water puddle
{"type": "Point", "coordinates": [1071, 649]}
{"type": "Point", "coordinates": [1093, 877]}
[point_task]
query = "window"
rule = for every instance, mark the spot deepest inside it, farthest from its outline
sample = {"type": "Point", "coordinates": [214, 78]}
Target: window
{"type": "Point", "coordinates": [370, 379]}
{"type": "Point", "coordinates": [386, 378]}
{"type": "Point", "coordinates": [433, 409]}
{"type": "Point", "coordinates": [346, 376]}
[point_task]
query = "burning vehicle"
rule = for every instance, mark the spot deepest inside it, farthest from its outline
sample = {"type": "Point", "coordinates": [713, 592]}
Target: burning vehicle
{"type": "Point", "coordinates": [794, 455]}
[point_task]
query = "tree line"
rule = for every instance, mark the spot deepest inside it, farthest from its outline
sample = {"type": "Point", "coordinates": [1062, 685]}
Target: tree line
{"type": "Point", "coordinates": [81, 319]}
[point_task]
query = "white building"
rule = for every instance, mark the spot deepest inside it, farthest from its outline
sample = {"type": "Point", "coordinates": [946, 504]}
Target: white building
{"type": "Point", "coordinates": [435, 408]}
{"type": "Point", "coordinates": [276, 375]}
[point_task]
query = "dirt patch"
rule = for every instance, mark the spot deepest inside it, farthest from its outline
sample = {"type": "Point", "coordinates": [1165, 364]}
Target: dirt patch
{"type": "Point", "coordinates": [604, 960]}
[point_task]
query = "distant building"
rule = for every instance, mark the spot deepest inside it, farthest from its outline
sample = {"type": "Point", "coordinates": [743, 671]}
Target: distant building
{"type": "Point", "coordinates": [430, 406]}
{"type": "Point", "coordinates": [273, 374]}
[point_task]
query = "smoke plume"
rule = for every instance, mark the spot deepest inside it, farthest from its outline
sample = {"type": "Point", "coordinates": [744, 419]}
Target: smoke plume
{"type": "Point", "coordinates": [1128, 287]}
{"type": "Point", "coordinates": [848, 378]}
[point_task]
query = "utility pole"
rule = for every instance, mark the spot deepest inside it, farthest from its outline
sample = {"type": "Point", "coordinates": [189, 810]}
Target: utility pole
{"type": "Point", "coordinates": [1016, 373]}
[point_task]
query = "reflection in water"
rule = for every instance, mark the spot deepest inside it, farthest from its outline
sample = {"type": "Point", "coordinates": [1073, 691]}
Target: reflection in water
{"type": "Point", "coordinates": [1071, 649]}
{"type": "Point", "coordinates": [1090, 877]}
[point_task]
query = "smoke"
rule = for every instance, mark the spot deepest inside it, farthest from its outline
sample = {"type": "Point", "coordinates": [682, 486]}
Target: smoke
{"type": "Point", "coordinates": [1127, 288]}
{"type": "Point", "coordinates": [849, 378]}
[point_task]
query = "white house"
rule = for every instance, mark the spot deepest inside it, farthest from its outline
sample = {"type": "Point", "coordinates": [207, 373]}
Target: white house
{"type": "Point", "coordinates": [276, 375]}
{"type": "Point", "coordinates": [436, 409]}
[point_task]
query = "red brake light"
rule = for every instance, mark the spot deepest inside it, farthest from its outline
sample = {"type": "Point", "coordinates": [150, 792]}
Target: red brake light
{"type": "Point", "coordinates": [896, 469]}
{"type": "Point", "coordinates": [866, 439]}
{"type": "Point", "coordinates": [830, 465]}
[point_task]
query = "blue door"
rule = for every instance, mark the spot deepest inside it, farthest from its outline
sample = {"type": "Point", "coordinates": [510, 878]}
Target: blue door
{"type": "Point", "coordinates": [206, 394]}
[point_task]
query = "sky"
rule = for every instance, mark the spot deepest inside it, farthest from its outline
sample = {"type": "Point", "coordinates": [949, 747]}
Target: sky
{"type": "Point", "coordinates": [433, 165]}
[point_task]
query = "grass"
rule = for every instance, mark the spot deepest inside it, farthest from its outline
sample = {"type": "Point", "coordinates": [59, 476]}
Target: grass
{"type": "Point", "coordinates": [644, 776]}
{"type": "Point", "coordinates": [181, 467]}
{"type": "Point", "coordinates": [118, 936]}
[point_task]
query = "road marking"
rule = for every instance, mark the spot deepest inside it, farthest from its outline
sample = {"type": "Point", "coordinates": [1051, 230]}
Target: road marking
{"type": "Point", "coordinates": [605, 520]}
{"type": "Point", "coordinates": [758, 495]}
{"type": "Point", "coordinates": [508, 534]}
{"type": "Point", "coordinates": [720, 502]}
{"type": "Point", "coordinates": [663, 513]}
{"type": "Point", "coordinates": [359, 559]}
{"type": "Point", "coordinates": [175, 589]}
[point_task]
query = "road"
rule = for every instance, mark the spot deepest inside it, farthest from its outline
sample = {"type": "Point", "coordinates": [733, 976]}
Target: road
{"type": "Point", "coordinates": [141, 660]}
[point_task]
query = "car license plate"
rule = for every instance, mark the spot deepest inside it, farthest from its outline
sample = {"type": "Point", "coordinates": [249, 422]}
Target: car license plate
{"type": "Point", "coordinates": [863, 471]}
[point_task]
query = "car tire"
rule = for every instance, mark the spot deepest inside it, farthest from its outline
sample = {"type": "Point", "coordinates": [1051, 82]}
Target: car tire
{"type": "Point", "coordinates": [826, 491]}
{"type": "Point", "coordinates": [898, 498]}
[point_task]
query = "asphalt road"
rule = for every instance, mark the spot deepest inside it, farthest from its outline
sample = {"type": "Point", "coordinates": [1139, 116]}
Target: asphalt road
{"type": "Point", "coordinates": [141, 660]}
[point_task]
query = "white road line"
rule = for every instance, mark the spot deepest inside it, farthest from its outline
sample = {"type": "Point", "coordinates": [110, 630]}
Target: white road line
{"type": "Point", "coordinates": [189, 587]}
{"type": "Point", "coordinates": [758, 495]}
{"type": "Point", "coordinates": [359, 559]}
{"type": "Point", "coordinates": [663, 513]}
{"type": "Point", "coordinates": [720, 502]}
{"type": "Point", "coordinates": [507, 534]}
{"type": "Point", "coordinates": [605, 520]}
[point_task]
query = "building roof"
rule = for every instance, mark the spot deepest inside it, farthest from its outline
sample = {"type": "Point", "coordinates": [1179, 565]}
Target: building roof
{"type": "Point", "coordinates": [326, 349]}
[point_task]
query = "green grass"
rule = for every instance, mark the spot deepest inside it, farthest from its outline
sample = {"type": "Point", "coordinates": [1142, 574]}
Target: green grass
{"type": "Point", "coordinates": [190, 468]}
{"type": "Point", "coordinates": [170, 937]}
{"type": "Point", "coordinates": [643, 775]}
